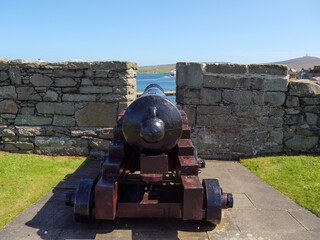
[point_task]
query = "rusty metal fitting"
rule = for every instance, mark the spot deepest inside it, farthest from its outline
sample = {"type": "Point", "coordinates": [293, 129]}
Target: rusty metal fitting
{"type": "Point", "coordinates": [227, 200]}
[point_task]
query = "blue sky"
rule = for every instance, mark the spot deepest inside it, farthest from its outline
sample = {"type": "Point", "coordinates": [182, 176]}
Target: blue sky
{"type": "Point", "coordinates": [160, 32]}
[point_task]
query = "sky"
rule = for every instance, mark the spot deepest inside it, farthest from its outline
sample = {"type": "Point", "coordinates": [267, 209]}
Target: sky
{"type": "Point", "coordinates": [160, 31]}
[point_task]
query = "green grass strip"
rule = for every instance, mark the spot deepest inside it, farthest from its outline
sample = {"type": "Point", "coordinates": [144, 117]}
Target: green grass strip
{"type": "Point", "coordinates": [297, 177]}
{"type": "Point", "coordinates": [25, 178]}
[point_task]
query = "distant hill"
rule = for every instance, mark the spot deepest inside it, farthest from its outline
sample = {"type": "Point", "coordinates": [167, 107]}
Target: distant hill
{"type": "Point", "coordinates": [302, 62]}
{"type": "Point", "coordinates": [157, 68]}
{"type": "Point", "coordinates": [296, 63]}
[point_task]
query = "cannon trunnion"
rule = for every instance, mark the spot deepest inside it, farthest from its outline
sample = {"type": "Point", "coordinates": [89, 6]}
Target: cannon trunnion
{"type": "Point", "coordinates": [152, 169]}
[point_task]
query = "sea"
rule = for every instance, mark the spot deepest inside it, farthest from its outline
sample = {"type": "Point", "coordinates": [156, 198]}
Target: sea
{"type": "Point", "coordinates": [164, 80]}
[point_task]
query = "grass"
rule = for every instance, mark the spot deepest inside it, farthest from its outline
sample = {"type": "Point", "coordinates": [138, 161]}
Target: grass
{"type": "Point", "coordinates": [156, 68]}
{"type": "Point", "coordinates": [297, 177]}
{"type": "Point", "coordinates": [25, 178]}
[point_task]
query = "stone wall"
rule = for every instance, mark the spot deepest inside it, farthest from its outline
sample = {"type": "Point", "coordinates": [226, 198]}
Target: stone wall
{"type": "Point", "coordinates": [248, 110]}
{"type": "Point", "coordinates": [64, 108]}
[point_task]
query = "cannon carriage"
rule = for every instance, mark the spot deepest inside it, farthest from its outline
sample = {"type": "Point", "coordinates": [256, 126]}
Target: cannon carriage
{"type": "Point", "coordinates": [152, 169]}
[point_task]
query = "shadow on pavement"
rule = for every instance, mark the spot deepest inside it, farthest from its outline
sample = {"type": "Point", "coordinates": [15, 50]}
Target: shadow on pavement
{"type": "Point", "coordinates": [55, 220]}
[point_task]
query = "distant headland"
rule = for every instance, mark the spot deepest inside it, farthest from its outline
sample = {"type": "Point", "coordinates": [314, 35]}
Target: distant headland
{"type": "Point", "coordinates": [296, 63]}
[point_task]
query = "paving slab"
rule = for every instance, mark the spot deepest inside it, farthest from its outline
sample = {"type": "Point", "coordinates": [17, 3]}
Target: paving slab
{"type": "Point", "coordinates": [260, 212]}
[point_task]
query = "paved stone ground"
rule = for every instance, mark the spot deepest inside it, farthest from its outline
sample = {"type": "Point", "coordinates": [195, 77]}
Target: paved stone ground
{"type": "Point", "coordinates": [260, 212]}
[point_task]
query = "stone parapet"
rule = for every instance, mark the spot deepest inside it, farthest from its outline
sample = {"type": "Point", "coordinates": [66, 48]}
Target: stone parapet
{"type": "Point", "coordinates": [248, 110]}
{"type": "Point", "coordinates": [66, 108]}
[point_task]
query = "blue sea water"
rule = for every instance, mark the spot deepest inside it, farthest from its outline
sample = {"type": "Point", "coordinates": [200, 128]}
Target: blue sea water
{"type": "Point", "coordinates": [164, 80]}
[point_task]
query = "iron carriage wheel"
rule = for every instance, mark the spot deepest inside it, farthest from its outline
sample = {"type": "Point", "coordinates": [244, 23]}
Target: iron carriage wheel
{"type": "Point", "coordinates": [212, 200]}
{"type": "Point", "coordinates": [83, 201]}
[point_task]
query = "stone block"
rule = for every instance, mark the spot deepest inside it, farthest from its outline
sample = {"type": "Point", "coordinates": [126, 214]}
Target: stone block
{"type": "Point", "coordinates": [56, 131]}
{"type": "Point", "coordinates": [115, 82]}
{"type": "Point", "coordinates": [55, 108]}
{"type": "Point", "coordinates": [97, 114]}
{"type": "Point", "coordinates": [28, 93]}
{"type": "Point", "coordinates": [51, 96]}
{"type": "Point", "coordinates": [270, 148]}
{"type": "Point", "coordinates": [59, 120]}
{"type": "Point", "coordinates": [276, 84]}
{"type": "Point", "coordinates": [8, 106]}
{"type": "Point", "coordinates": [123, 90]}
{"type": "Point", "coordinates": [32, 120]}
{"type": "Point", "coordinates": [304, 88]}
{"type": "Point", "coordinates": [3, 122]}
{"type": "Point", "coordinates": [40, 80]}
{"type": "Point", "coordinates": [63, 151]}
{"type": "Point", "coordinates": [65, 82]}
{"type": "Point", "coordinates": [8, 116]}
{"type": "Point", "coordinates": [311, 118]}
{"type": "Point", "coordinates": [292, 101]}
{"type": "Point", "coordinates": [268, 69]}
{"type": "Point", "coordinates": [237, 97]}
{"type": "Point", "coordinates": [214, 110]}
{"type": "Point", "coordinates": [89, 73]}
{"type": "Point", "coordinates": [30, 131]}
{"type": "Point", "coordinates": [76, 65]}
{"type": "Point", "coordinates": [27, 110]}
{"type": "Point", "coordinates": [301, 143]}
{"type": "Point", "coordinates": [225, 68]}
{"type": "Point", "coordinates": [242, 148]}
{"type": "Point", "coordinates": [83, 132]}
{"type": "Point", "coordinates": [311, 109]}
{"type": "Point", "coordinates": [7, 132]}
{"type": "Point", "coordinates": [10, 147]}
{"type": "Point", "coordinates": [291, 111]}
{"type": "Point", "coordinates": [3, 76]}
{"type": "Point", "coordinates": [101, 73]}
{"type": "Point", "coordinates": [67, 73]}
{"type": "Point", "coordinates": [100, 144]}
{"type": "Point", "coordinates": [204, 120]}
{"type": "Point", "coordinates": [274, 99]}
{"type": "Point", "coordinates": [224, 122]}
{"type": "Point", "coordinates": [293, 119]}
{"type": "Point", "coordinates": [212, 81]}
{"type": "Point", "coordinates": [4, 64]}
{"type": "Point", "coordinates": [86, 82]}
{"type": "Point", "coordinates": [105, 133]}
{"type": "Point", "coordinates": [116, 98]}
{"type": "Point", "coordinates": [250, 111]}
{"type": "Point", "coordinates": [8, 92]}
{"type": "Point", "coordinates": [70, 90]}
{"type": "Point", "coordinates": [96, 89]}
{"type": "Point", "coordinates": [55, 141]}
{"type": "Point", "coordinates": [41, 90]}
{"type": "Point", "coordinates": [276, 112]}
{"type": "Point", "coordinates": [78, 98]}
{"type": "Point", "coordinates": [276, 137]}
{"type": "Point", "coordinates": [188, 95]}
{"type": "Point", "coordinates": [307, 132]}
{"type": "Point", "coordinates": [310, 101]}
{"type": "Point", "coordinates": [24, 145]}
{"type": "Point", "coordinates": [210, 96]}
{"type": "Point", "coordinates": [251, 83]}
{"type": "Point", "coordinates": [270, 121]}
{"type": "Point", "coordinates": [51, 141]}
{"type": "Point", "coordinates": [189, 74]}
{"type": "Point", "coordinates": [15, 75]}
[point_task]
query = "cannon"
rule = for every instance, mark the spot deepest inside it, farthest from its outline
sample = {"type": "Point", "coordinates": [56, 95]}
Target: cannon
{"type": "Point", "coordinates": [152, 169]}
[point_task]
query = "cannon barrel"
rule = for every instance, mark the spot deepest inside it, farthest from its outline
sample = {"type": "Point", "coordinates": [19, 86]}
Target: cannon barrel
{"type": "Point", "coordinates": [152, 124]}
